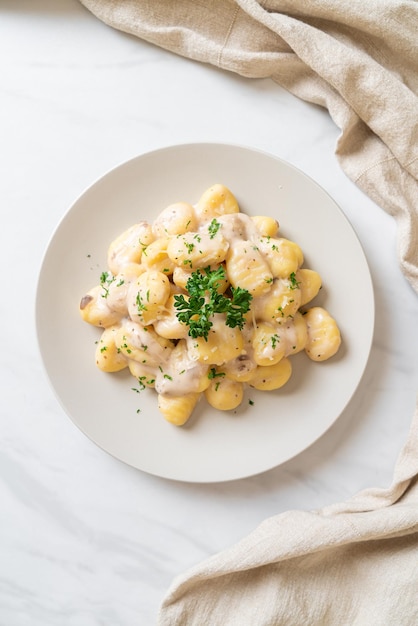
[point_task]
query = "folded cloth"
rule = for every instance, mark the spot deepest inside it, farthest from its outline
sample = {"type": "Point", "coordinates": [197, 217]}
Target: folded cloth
{"type": "Point", "coordinates": [355, 562]}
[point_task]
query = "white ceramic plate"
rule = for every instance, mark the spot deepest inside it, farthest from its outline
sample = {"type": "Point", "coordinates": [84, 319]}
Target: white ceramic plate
{"type": "Point", "coordinates": [213, 446]}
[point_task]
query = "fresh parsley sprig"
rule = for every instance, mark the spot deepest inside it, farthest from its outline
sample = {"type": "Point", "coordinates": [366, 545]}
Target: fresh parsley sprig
{"type": "Point", "coordinates": [204, 301]}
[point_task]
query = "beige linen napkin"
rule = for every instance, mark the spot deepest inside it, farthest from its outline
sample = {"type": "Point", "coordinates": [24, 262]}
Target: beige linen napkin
{"type": "Point", "coordinates": [356, 562]}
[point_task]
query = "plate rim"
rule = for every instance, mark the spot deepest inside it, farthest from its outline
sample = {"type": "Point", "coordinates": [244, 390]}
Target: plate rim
{"type": "Point", "coordinates": [173, 148]}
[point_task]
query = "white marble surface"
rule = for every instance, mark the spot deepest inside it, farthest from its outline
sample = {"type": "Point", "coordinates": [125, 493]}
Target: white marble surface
{"type": "Point", "coordinates": [84, 539]}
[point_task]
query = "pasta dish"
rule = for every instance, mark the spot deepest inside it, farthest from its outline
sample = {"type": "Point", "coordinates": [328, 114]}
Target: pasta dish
{"type": "Point", "coordinates": [206, 300]}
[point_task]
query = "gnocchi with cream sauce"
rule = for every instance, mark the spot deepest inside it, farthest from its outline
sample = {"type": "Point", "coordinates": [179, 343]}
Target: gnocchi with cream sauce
{"type": "Point", "coordinates": [204, 301]}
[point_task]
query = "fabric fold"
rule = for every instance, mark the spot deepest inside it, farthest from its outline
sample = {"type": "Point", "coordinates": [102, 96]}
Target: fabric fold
{"type": "Point", "coordinates": [275, 575]}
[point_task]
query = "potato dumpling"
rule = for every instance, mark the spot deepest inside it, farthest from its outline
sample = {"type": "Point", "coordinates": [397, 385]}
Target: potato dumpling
{"type": "Point", "coordinates": [268, 344]}
{"type": "Point", "coordinates": [281, 302]}
{"type": "Point", "coordinates": [269, 377]}
{"type": "Point", "coordinates": [177, 410]}
{"type": "Point", "coordinates": [240, 369]}
{"type": "Point", "coordinates": [144, 374]}
{"type": "Point", "coordinates": [176, 219]}
{"type": "Point", "coordinates": [181, 374]}
{"type": "Point", "coordinates": [128, 247]}
{"type": "Point", "coordinates": [147, 297]}
{"type": "Point", "coordinates": [266, 226]}
{"type": "Point", "coordinates": [118, 286]}
{"type": "Point", "coordinates": [283, 256]}
{"type": "Point", "coordinates": [324, 337]}
{"type": "Point", "coordinates": [155, 257]}
{"type": "Point", "coordinates": [246, 268]}
{"type": "Point", "coordinates": [197, 250]}
{"type": "Point", "coordinates": [108, 357]}
{"type": "Point", "coordinates": [296, 333]}
{"type": "Point", "coordinates": [142, 344]}
{"type": "Point", "coordinates": [95, 310]}
{"type": "Point", "coordinates": [167, 325]}
{"type": "Point", "coordinates": [309, 284]}
{"type": "Point", "coordinates": [215, 201]}
{"type": "Point", "coordinates": [224, 394]}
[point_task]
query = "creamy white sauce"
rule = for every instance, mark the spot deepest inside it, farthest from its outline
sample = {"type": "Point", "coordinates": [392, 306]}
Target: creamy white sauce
{"type": "Point", "coordinates": [180, 374]}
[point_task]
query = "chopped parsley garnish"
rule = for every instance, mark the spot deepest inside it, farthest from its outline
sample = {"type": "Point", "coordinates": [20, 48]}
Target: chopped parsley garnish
{"type": "Point", "coordinates": [214, 374]}
{"type": "Point", "coordinates": [204, 301]}
{"type": "Point", "coordinates": [140, 384]}
{"type": "Point", "coordinates": [125, 346]}
{"type": "Point", "coordinates": [106, 279]}
{"type": "Point", "coordinates": [139, 304]}
{"type": "Point", "coordinates": [213, 228]}
{"type": "Point", "coordinates": [294, 284]}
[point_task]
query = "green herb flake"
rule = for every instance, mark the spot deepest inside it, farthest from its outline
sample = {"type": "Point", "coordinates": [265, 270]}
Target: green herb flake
{"type": "Point", "coordinates": [213, 228]}
{"type": "Point", "coordinates": [106, 279]}
{"type": "Point", "coordinates": [139, 304]}
{"type": "Point", "coordinates": [214, 374]}
{"type": "Point", "coordinates": [294, 284]}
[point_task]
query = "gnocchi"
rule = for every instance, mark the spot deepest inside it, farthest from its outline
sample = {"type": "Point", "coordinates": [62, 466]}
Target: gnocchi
{"type": "Point", "coordinates": [206, 301]}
